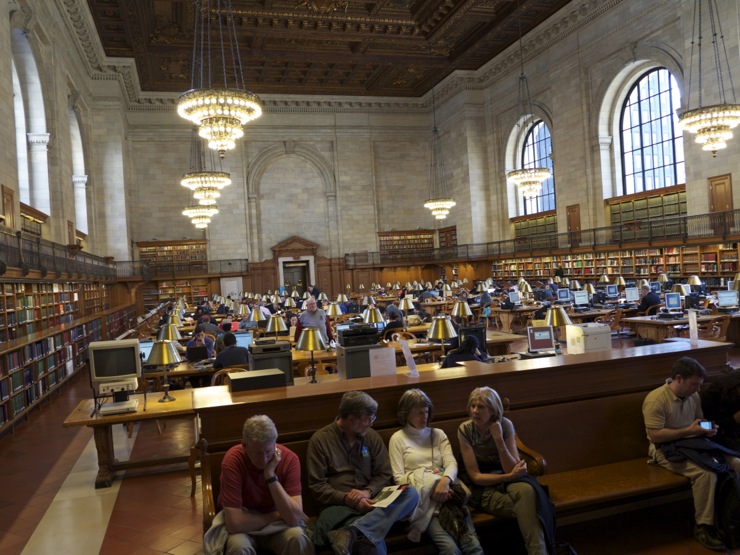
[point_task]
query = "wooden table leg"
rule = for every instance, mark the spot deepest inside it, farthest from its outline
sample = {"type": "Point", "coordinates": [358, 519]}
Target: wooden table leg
{"type": "Point", "coordinates": [106, 459]}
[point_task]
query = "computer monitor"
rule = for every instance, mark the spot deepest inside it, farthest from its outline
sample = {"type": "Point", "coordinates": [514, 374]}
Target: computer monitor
{"type": "Point", "coordinates": [115, 367]}
{"type": "Point", "coordinates": [632, 295]}
{"type": "Point", "coordinates": [730, 284]}
{"type": "Point", "coordinates": [479, 332]}
{"type": "Point", "coordinates": [564, 295]}
{"type": "Point", "coordinates": [580, 298]}
{"type": "Point", "coordinates": [541, 338]}
{"type": "Point", "coordinates": [196, 354]}
{"type": "Point", "coordinates": [655, 286]}
{"type": "Point", "coordinates": [145, 349]}
{"type": "Point", "coordinates": [673, 301]}
{"type": "Point", "coordinates": [726, 299]}
{"type": "Point", "coordinates": [380, 326]}
{"type": "Point", "coordinates": [684, 289]}
{"type": "Point", "coordinates": [612, 291]}
{"type": "Point", "coordinates": [514, 297]}
{"type": "Point", "coordinates": [243, 339]}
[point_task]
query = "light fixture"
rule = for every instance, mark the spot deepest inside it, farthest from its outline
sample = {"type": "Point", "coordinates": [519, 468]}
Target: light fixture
{"type": "Point", "coordinates": [276, 324]}
{"type": "Point", "coordinates": [439, 201]}
{"type": "Point", "coordinates": [529, 178]}
{"type": "Point", "coordinates": [575, 284]}
{"type": "Point", "coordinates": [711, 124]}
{"type": "Point", "coordinates": [205, 182]}
{"type": "Point", "coordinates": [219, 109]}
{"type": "Point", "coordinates": [342, 298]}
{"type": "Point", "coordinates": [462, 310]}
{"type": "Point", "coordinates": [169, 332]}
{"type": "Point", "coordinates": [441, 330]}
{"type": "Point", "coordinates": [590, 289]}
{"type": "Point", "coordinates": [164, 354]}
{"type": "Point", "coordinates": [406, 305]}
{"type": "Point", "coordinates": [557, 318]}
{"type": "Point", "coordinates": [604, 278]}
{"type": "Point", "coordinates": [620, 281]}
{"type": "Point", "coordinates": [199, 215]}
{"type": "Point", "coordinates": [311, 340]}
{"type": "Point", "coordinates": [372, 316]}
{"type": "Point", "coordinates": [333, 310]}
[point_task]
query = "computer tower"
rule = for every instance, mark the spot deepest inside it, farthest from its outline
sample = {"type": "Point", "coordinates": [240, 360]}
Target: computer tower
{"type": "Point", "coordinates": [354, 362]}
{"type": "Point", "coordinates": [282, 360]}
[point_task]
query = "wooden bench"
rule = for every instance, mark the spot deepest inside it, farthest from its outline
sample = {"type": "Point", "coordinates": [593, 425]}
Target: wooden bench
{"type": "Point", "coordinates": [597, 458]}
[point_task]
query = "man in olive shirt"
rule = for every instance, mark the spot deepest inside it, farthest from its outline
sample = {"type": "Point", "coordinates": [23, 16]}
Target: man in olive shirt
{"type": "Point", "coordinates": [347, 466]}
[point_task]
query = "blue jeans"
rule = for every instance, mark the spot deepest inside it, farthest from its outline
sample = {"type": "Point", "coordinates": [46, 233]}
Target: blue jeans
{"type": "Point", "coordinates": [376, 524]}
{"type": "Point", "coordinates": [446, 545]}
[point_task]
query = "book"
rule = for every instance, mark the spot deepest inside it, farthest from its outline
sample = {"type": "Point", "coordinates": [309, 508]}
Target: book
{"type": "Point", "coordinates": [388, 495]}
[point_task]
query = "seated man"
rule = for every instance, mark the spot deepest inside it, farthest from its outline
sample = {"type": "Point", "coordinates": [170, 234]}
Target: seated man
{"type": "Point", "coordinates": [223, 328]}
{"type": "Point", "coordinates": [347, 466]}
{"type": "Point", "coordinates": [394, 325]}
{"type": "Point", "coordinates": [200, 340]}
{"type": "Point", "coordinates": [314, 317]}
{"type": "Point", "coordinates": [231, 355]}
{"type": "Point", "coordinates": [647, 298]}
{"type": "Point", "coordinates": [261, 494]}
{"type": "Point", "coordinates": [673, 413]}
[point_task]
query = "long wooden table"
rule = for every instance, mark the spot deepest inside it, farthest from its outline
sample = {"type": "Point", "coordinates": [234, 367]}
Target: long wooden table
{"type": "Point", "coordinates": [659, 329]}
{"type": "Point", "coordinates": [85, 415]}
{"type": "Point", "coordinates": [508, 317]}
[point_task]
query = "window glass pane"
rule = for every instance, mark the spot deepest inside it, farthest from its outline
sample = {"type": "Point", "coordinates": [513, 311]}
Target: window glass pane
{"type": "Point", "coordinates": [536, 154]}
{"type": "Point", "coordinates": [652, 145]}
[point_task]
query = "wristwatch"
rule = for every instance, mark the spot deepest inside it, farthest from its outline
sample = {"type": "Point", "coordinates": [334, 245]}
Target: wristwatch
{"type": "Point", "coordinates": [272, 479]}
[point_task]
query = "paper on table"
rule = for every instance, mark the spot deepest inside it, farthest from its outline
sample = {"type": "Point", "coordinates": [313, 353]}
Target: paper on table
{"type": "Point", "coordinates": [382, 361]}
{"type": "Point", "coordinates": [409, 358]}
{"type": "Point", "coordinates": [387, 495]}
{"type": "Point", "coordinates": [693, 328]}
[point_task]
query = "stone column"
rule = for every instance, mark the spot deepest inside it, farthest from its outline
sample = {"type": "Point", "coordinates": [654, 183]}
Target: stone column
{"type": "Point", "coordinates": [79, 184]}
{"type": "Point", "coordinates": [38, 168]}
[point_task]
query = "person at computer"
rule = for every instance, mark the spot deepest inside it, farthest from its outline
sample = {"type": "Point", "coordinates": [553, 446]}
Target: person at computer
{"type": "Point", "coordinates": [200, 340]}
{"type": "Point", "coordinates": [484, 298]}
{"type": "Point", "coordinates": [673, 413]}
{"type": "Point", "coordinates": [552, 285]}
{"type": "Point", "coordinates": [314, 317]}
{"type": "Point", "coordinates": [421, 456]}
{"type": "Point", "coordinates": [261, 496]}
{"type": "Point", "coordinates": [208, 326]}
{"type": "Point", "coordinates": [348, 465]}
{"type": "Point", "coordinates": [497, 475]}
{"type": "Point", "coordinates": [223, 328]}
{"type": "Point", "coordinates": [647, 298]}
{"type": "Point", "coordinates": [394, 325]}
{"type": "Point", "coordinates": [468, 350]}
{"type": "Point", "coordinates": [391, 309]}
{"type": "Point", "coordinates": [231, 354]}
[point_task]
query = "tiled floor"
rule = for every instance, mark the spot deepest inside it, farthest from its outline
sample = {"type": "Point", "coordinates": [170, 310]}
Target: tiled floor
{"type": "Point", "coordinates": [48, 503]}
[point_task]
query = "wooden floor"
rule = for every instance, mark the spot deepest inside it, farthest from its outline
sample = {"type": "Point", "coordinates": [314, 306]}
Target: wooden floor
{"type": "Point", "coordinates": [48, 503]}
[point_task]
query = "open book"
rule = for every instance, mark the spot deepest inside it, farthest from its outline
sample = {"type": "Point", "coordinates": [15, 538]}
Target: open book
{"type": "Point", "coordinates": [388, 495]}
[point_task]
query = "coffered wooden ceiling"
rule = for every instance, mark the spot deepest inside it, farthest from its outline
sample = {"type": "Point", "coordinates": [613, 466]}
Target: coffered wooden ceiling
{"type": "Point", "coordinates": [328, 47]}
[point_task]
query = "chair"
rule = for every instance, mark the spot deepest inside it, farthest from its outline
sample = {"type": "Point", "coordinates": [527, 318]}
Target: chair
{"type": "Point", "coordinates": [612, 319]}
{"type": "Point", "coordinates": [652, 310]}
{"type": "Point", "coordinates": [213, 337]}
{"type": "Point", "coordinates": [220, 377]}
{"type": "Point", "coordinates": [712, 330]}
{"type": "Point", "coordinates": [388, 334]}
{"type": "Point", "coordinates": [403, 335]}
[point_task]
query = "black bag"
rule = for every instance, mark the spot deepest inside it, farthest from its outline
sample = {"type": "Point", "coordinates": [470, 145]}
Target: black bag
{"type": "Point", "coordinates": [727, 509]}
{"type": "Point", "coordinates": [453, 514]}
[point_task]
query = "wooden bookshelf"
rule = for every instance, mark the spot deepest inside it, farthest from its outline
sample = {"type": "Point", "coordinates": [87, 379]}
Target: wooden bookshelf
{"type": "Point", "coordinates": [35, 366]}
{"type": "Point", "coordinates": [400, 242]}
{"type": "Point", "coordinates": [158, 292]}
{"type": "Point", "coordinates": [447, 236]}
{"type": "Point", "coordinates": [173, 254]}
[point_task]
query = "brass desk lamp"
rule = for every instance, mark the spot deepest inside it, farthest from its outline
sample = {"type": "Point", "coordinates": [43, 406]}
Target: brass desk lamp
{"type": "Point", "coordinates": [442, 330]}
{"type": "Point", "coordinates": [164, 354]}
{"type": "Point", "coordinates": [311, 340]}
{"type": "Point", "coordinates": [276, 324]}
{"type": "Point", "coordinates": [462, 310]}
{"type": "Point", "coordinates": [169, 332]}
{"type": "Point", "coordinates": [557, 318]}
{"type": "Point", "coordinates": [406, 305]}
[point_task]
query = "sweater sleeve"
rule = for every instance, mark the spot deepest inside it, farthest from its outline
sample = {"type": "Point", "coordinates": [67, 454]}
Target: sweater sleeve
{"type": "Point", "coordinates": [395, 453]}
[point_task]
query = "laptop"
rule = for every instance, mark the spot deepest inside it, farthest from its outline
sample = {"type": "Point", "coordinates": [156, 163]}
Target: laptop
{"type": "Point", "coordinates": [196, 354]}
{"type": "Point", "coordinates": [540, 341]}
{"type": "Point", "coordinates": [243, 339]}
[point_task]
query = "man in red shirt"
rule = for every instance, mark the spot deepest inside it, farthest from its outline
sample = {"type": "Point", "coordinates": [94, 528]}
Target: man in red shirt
{"type": "Point", "coordinates": [261, 494]}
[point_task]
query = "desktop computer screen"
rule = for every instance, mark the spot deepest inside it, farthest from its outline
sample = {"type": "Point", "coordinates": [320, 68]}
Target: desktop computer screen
{"type": "Point", "coordinates": [564, 295]}
{"type": "Point", "coordinates": [612, 291]}
{"type": "Point", "coordinates": [673, 301]}
{"type": "Point", "coordinates": [580, 298]}
{"type": "Point", "coordinates": [514, 298]}
{"type": "Point", "coordinates": [726, 299]}
{"type": "Point", "coordinates": [632, 295]}
{"type": "Point", "coordinates": [540, 339]}
{"type": "Point", "coordinates": [243, 339]}
{"type": "Point", "coordinates": [655, 286]}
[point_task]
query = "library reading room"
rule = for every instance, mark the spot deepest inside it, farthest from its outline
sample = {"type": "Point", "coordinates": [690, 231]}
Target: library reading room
{"type": "Point", "coordinates": [406, 276]}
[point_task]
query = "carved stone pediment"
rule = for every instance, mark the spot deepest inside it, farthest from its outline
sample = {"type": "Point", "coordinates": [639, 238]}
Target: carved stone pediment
{"type": "Point", "coordinates": [295, 247]}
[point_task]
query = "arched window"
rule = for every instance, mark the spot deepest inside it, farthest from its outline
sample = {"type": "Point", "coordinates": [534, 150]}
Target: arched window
{"type": "Point", "coordinates": [536, 154]}
{"type": "Point", "coordinates": [652, 145]}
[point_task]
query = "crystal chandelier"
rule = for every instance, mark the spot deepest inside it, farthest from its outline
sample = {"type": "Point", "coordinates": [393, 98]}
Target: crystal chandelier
{"type": "Point", "coordinates": [200, 215]}
{"type": "Point", "coordinates": [220, 110]}
{"type": "Point", "coordinates": [439, 201]}
{"type": "Point", "coordinates": [528, 179]}
{"type": "Point", "coordinates": [713, 124]}
{"type": "Point", "coordinates": [205, 184]}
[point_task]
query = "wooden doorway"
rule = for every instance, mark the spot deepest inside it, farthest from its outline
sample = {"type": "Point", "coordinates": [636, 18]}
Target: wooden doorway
{"type": "Point", "coordinates": [295, 274]}
{"type": "Point", "coordinates": [573, 216]}
{"type": "Point", "coordinates": [720, 201]}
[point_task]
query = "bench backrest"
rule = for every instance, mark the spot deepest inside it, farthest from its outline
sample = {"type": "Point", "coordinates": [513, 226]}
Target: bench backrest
{"type": "Point", "coordinates": [585, 433]}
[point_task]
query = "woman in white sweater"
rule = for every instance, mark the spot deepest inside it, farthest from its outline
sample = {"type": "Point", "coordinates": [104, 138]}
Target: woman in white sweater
{"type": "Point", "coordinates": [422, 457]}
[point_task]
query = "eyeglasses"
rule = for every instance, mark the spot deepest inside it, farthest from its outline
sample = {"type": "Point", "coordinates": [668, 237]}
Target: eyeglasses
{"type": "Point", "coordinates": [371, 417]}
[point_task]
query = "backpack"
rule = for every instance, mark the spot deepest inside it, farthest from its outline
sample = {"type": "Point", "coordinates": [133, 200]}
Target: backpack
{"type": "Point", "coordinates": [727, 509]}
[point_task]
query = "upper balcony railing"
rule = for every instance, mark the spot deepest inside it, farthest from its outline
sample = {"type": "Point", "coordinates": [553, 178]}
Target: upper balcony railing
{"type": "Point", "coordinates": [29, 252]}
{"type": "Point", "coordinates": [683, 230]}
{"type": "Point", "coordinates": [147, 271]}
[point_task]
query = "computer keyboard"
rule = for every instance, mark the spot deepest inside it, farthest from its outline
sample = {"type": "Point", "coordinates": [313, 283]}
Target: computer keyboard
{"type": "Point", "coordinates": [119, 407]}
